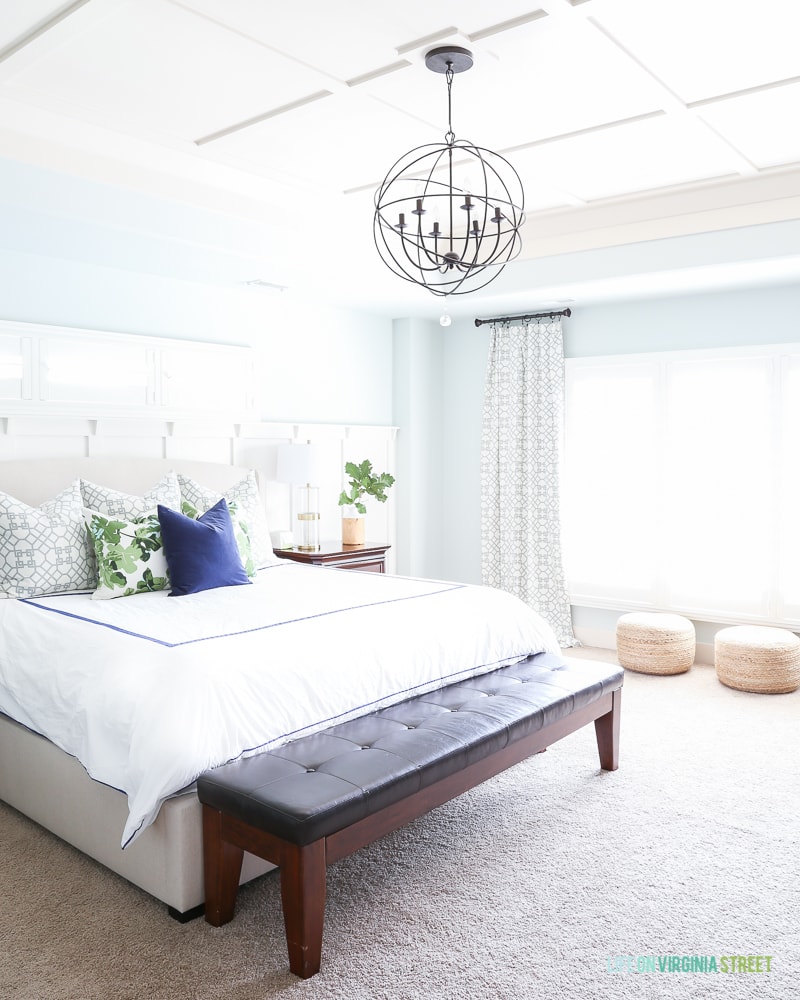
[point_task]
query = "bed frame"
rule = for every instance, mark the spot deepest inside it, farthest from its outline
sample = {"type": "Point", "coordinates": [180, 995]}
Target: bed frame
{"type": "Point", "coordinates": [52, 787]}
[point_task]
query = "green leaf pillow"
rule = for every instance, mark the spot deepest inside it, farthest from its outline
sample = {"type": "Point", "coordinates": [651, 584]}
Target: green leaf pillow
{"type": "Point", "coordinates": [130, 554]}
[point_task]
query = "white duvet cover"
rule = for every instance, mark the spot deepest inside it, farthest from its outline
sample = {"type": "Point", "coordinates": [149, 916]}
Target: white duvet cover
{"type": "Point", "coordinates": [149, 691]}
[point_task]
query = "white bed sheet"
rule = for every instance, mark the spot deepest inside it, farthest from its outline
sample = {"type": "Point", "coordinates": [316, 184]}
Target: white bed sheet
{"type": "Point", "coordinates": [149, 691]}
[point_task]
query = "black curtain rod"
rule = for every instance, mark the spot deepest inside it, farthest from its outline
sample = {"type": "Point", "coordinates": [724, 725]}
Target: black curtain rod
{"type": "Point", "coordinates": [508, 319]}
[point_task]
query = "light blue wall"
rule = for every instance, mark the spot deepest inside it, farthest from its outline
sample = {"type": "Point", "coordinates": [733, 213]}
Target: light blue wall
{"type": "Point", "coordinates": [465, 349]}
{"type": "Point", "coordinates": [80, 253]}
{"type": "Point", "coordinates": [721, 319]}
{"type": "Point", "coordinates": [417, 392]}
{"type": "Point", "coordinates": [318, 364]}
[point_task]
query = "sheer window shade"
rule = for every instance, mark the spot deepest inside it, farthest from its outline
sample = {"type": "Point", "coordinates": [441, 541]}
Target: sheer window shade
{"type": "Point", "coordinates": [681, 483]}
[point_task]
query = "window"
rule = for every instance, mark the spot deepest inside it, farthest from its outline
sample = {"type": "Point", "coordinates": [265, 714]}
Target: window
{"type": "Point", "coordinates": [88, 370]}
{"type": "Point", "coordinates": [49, 369]}
{"type": "Point", "coordinates": [681, 483]}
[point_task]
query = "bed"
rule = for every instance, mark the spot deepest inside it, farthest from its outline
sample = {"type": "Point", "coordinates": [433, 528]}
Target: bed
{"type": "Point", "coordinates": [151, 833]}
{"type": "Point", "coordinates": [52, 787]}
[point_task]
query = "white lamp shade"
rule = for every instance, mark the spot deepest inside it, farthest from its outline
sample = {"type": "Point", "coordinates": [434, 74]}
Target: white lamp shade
{"type": "Point", "coordinates": [299, 463]}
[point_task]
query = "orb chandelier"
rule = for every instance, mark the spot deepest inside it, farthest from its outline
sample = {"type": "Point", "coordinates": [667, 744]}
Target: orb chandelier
{"type": "Point", "coordinates": [448, 215]}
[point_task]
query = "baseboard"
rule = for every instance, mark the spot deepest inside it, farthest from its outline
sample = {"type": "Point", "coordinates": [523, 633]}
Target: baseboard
{"type": "Point", "coordinates": [600, 638]}
{"type": "Point", "coordinates": [704, 653]}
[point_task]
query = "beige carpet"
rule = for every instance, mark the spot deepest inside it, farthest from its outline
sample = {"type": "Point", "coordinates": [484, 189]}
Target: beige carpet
{"type": "Point", "coordinates": [528, 886]}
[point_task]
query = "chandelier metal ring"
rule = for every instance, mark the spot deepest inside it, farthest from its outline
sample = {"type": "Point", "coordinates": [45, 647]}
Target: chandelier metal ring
{"type": "Point", "coordinates": [473, 196]}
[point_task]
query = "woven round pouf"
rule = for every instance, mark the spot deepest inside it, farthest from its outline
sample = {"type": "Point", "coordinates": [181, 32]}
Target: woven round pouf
{"type": "Point", "coordinates": [758, 659]}
{"type": "Point", "coordinates": [655, 643]}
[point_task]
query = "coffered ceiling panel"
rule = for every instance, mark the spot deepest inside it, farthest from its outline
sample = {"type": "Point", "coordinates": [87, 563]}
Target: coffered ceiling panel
{"type": "Point", "coordinates": [758, 125]}
{"type": "Point", "coordinates": [642, 156]}
{"type": "Point", "coordinates": [351, 39]}
{"type": "Point", "coordinates": [648, 117]}
{"type": "Point", "coordinates": [326, 36]}
{"type": "Point", "coordinates": [704, 48]}
{"type": "Point", "coordinates": [559, 82]}
{"type": "Point", "coordinates": [19, 19]}
{"type": "Point", "coordinates": [299, 145]}
{"type": "Point", "coordinates": [153, 67]}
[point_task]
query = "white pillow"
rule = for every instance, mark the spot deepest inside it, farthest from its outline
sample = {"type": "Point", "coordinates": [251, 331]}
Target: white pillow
{"type": "Point", "coordinates": [44, 550]}
{"type": "Point", "coordinates": [249, 512]}
{"type": "Point", "coordinates": [125, 505]}
{"type": "Point", "coordinates": [130, 555]}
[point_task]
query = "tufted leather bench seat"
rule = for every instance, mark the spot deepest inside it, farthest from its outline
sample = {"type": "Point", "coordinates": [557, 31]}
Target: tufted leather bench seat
{"type": "Point", "coordinates": [319, 798]}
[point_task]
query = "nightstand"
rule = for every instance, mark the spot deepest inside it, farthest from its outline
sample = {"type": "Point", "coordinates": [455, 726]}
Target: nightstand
{"type": "Point", "coordinates": [369, 557]}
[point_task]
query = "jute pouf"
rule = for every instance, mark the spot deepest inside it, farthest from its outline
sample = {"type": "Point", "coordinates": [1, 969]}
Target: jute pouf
{"type": "Point", "coordinates": [758, 659]}
{"type": "Point", "coordinates": [655, 643]}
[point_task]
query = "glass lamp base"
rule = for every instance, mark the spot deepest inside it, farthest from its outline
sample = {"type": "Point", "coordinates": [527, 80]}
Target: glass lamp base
{"type": "Point", "coordinates": [308, 516]}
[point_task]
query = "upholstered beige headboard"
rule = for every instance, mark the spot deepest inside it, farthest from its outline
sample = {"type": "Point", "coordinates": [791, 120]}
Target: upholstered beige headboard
{"type": "Point", "coordinates": [35, 480]}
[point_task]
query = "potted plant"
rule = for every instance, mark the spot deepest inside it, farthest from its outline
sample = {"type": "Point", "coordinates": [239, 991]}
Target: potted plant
{"type": "Point", "coordinates": [363, 483]}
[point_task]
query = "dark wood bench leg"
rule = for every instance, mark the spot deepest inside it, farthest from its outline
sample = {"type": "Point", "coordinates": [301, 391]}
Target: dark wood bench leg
{"type": "Point", "coordinates": [607, 731]}
{"type": "Point", "coordinates": [303, 894]}
{"type": "Point", "coordinates": [222, 869]}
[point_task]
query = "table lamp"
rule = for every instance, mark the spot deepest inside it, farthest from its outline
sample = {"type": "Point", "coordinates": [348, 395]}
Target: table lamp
{"type": "Point", "coordinates": [299, 465]}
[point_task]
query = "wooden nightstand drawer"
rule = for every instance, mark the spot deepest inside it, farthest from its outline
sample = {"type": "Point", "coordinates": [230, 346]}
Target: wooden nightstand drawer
{"type": "Point", "coordinates": [368, 558]}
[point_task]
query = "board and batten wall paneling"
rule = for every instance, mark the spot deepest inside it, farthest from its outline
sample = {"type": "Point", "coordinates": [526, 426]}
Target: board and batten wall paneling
{"type": "Point", "coordinates": [252, 444]}
{"type": "Point", "coordinates": [80, 393]}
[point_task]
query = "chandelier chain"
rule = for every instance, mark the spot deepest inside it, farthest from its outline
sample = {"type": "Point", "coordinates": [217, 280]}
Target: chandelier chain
{"type": "Point", "coordinates": [450, 136]}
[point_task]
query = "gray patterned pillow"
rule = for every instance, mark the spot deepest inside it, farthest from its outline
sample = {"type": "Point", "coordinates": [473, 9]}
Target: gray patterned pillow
{"type": "Point", "coordinates": [125, 505]}
{"type": "Point", "coordinates": [44, 550]}
{"type": "Point", "coordinates": [250, 515]}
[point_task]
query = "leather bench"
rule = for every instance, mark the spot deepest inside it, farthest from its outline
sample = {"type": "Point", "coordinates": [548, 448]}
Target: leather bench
{"type": "Point", "coordinates": [317, 799]}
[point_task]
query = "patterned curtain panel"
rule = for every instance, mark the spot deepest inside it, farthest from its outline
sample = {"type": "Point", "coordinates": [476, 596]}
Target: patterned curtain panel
{"type": "Point", "coordinates": [520, 460]}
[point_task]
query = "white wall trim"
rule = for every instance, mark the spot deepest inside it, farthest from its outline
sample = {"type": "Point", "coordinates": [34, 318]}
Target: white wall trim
{"type": "Point", "coordinates": [251, 444]}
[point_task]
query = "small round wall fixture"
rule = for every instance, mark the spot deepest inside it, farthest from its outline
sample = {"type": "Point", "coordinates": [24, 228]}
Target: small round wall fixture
{"type": "Point", "coordinates": [448, 215]}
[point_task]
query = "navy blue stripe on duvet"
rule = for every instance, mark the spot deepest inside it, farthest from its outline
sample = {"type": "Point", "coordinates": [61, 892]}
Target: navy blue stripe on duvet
{"type": "Point", "coordinates": [223, 635]}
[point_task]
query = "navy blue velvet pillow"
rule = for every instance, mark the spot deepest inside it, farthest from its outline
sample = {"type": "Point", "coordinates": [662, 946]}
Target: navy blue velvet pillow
{"type": "Point", "coordinates": [201, 554]}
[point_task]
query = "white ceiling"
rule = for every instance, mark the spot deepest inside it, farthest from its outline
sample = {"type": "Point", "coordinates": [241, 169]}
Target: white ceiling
{"type": "Point", "coordinates": [628, 121]}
